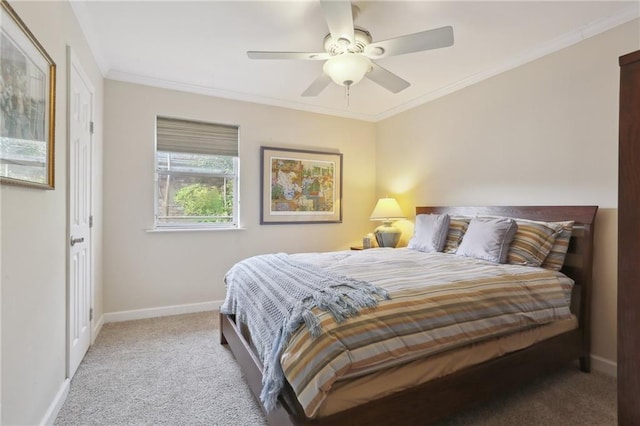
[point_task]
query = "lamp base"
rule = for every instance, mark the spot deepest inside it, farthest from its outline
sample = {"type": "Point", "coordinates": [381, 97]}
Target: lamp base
{"type": "Point", "coordinates": [387, 236]}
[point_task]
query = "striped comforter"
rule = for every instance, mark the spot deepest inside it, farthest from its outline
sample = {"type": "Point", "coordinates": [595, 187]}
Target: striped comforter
{"type": "Point", "coordinates": [438, 302]}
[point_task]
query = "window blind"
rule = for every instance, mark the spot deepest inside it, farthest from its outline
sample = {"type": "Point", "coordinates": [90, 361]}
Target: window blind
{"type": "Point", "coordinates": [196, 137]}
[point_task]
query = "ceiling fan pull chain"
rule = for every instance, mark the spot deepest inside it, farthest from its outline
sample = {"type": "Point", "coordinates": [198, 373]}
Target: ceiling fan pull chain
{"type": "Point", "coordinates": [346, 93]}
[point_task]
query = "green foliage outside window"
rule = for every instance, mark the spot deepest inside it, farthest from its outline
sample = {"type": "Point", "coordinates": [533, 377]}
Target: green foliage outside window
{"type": "Point", "coordinates": [202, 200]}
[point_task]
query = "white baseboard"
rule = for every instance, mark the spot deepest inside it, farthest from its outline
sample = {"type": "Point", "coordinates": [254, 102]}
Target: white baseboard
{"type": "Point", "coordinates": [162, 311]}
{"type": "Point", "coordinates": [604, 366]}
{"type": "Point", "coordinates": [53, 410]}
{"type": "Point", "coordinates": [96, 329]}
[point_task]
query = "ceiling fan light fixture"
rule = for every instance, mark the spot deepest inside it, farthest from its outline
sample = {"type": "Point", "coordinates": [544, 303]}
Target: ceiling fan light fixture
{"type": "Point", "coordinates": [347, 69]}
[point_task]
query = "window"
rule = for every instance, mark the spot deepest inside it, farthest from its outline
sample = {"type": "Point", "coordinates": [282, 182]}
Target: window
{"type": "Point", "coordinates": [196, 174]}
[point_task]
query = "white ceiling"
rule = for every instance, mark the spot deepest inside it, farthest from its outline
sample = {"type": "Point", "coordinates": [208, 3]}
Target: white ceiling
{"type": "Point", "coordinates": [201, 46]}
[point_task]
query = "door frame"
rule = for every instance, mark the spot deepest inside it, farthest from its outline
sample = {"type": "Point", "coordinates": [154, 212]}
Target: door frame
{"type": "Point", "coordinates": [73, 62]}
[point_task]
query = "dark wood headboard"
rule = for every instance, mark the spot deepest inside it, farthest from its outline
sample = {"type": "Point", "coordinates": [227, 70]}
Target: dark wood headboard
{"type": "Point", "coordinates": [579, 262]}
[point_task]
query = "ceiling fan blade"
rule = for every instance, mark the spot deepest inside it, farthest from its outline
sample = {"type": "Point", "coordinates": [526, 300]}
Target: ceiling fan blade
{"type": "Point", "coordinates": [288, 55]}
{"type": "Point", "coordinates": [318, 85]}
{"type": "Point", "coordinates": [425, 40]}
{"type": "Point", "coordinates": [386, 79]}
{"type": "Point", "coordinates": [339, 18]}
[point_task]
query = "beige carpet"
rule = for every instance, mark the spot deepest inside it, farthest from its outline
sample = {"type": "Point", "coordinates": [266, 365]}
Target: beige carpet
{"type": "Point", "coordinates": [173, 371]}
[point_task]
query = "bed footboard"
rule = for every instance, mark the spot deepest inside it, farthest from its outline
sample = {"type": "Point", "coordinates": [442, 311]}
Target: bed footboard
{"type": "Point", "coordinates": [427, 403]}
{"type": "Point", "coordinates": [231, 335]}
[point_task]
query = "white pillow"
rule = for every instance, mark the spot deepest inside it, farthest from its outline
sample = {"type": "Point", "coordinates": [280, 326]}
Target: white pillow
{"type": "Point", "coordinates": [430, 232]}
{"type": "Point", "coordinates": [488, 239]}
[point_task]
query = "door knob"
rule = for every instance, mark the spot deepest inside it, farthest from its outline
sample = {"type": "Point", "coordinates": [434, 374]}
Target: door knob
{"type": "Point", "coordinates": [76, 240]}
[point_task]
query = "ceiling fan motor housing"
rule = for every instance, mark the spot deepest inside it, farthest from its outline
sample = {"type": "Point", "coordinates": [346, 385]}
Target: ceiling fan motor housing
{"type": "Point", "coordinates": [339, 46]}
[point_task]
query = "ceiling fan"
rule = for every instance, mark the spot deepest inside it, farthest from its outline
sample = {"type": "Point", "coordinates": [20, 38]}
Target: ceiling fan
{"type": "Point", "coordinates": [349, 51]}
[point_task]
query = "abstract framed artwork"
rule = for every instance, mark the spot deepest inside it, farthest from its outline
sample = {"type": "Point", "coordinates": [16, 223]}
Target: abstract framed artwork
{"type": "Point", "coordinates": [27, 105]}
{"type": "Point", "coordinates": [300, 186]}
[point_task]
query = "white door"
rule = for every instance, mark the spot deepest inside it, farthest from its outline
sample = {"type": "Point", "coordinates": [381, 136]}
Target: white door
{"type": "Point", "coordinates": [79, 268]}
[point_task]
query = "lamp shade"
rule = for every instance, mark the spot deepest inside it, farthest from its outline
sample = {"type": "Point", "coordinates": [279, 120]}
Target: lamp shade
{"type": "Point", "coordinates": [347, 69]}
{"type": "Point", "coordinates": [387, 209]}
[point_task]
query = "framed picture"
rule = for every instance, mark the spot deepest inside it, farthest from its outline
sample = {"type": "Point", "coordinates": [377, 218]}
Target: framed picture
{"type": "Point", "coordinates": [27, 105]}
{"type": "Point", "coordinates": [300, 186]}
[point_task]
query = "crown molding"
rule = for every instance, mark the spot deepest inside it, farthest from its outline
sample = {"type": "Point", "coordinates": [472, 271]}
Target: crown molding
{"type": "Point", "coordinates": [232, 95]}
{"type": "Point", "coordinates": [559, 43]}
{"type": "Point", "coordinates": [626, 15]}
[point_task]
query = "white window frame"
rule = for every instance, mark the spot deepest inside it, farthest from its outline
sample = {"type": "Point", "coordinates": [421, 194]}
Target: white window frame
{"type": "Point", "coordinates": [235, 176]}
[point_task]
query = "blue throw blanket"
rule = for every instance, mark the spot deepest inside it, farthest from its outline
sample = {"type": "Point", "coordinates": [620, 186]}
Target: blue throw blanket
{"type": "Point", "coordinates": [273, 295]}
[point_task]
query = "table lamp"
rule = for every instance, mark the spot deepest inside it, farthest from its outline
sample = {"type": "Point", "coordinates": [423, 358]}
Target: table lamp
{"type": "Point", "coordinates": [387, 210]}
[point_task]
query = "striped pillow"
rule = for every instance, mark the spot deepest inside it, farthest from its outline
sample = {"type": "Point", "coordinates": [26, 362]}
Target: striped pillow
{"type": "Point", "coordinates": [457, 227]}
{"type": "Point", "coordinates": [555, 259]}
{"type": "Point", "coordinates": [533, 242]}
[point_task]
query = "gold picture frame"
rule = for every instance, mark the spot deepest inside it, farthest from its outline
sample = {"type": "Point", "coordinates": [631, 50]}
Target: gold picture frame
{"type": "Point", "coordinates": [300, 186]}
{"type": "Point", "coordinates": [27, 105]}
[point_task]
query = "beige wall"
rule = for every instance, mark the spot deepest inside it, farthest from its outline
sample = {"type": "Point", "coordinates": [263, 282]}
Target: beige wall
{"type": "Point", "coordinates": [544, 133]}
{"type": "Point", "coordinates": [33, 245]}
{"type": "Point", "coordinates": [155, 269]}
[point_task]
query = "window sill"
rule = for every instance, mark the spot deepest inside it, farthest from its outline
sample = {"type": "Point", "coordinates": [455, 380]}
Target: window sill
{"type": "Point", "coordinates": [163, 230]}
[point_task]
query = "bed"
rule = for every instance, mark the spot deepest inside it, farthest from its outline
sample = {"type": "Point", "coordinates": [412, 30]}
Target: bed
{"type": "Point", "coordinates": [519, 358]}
